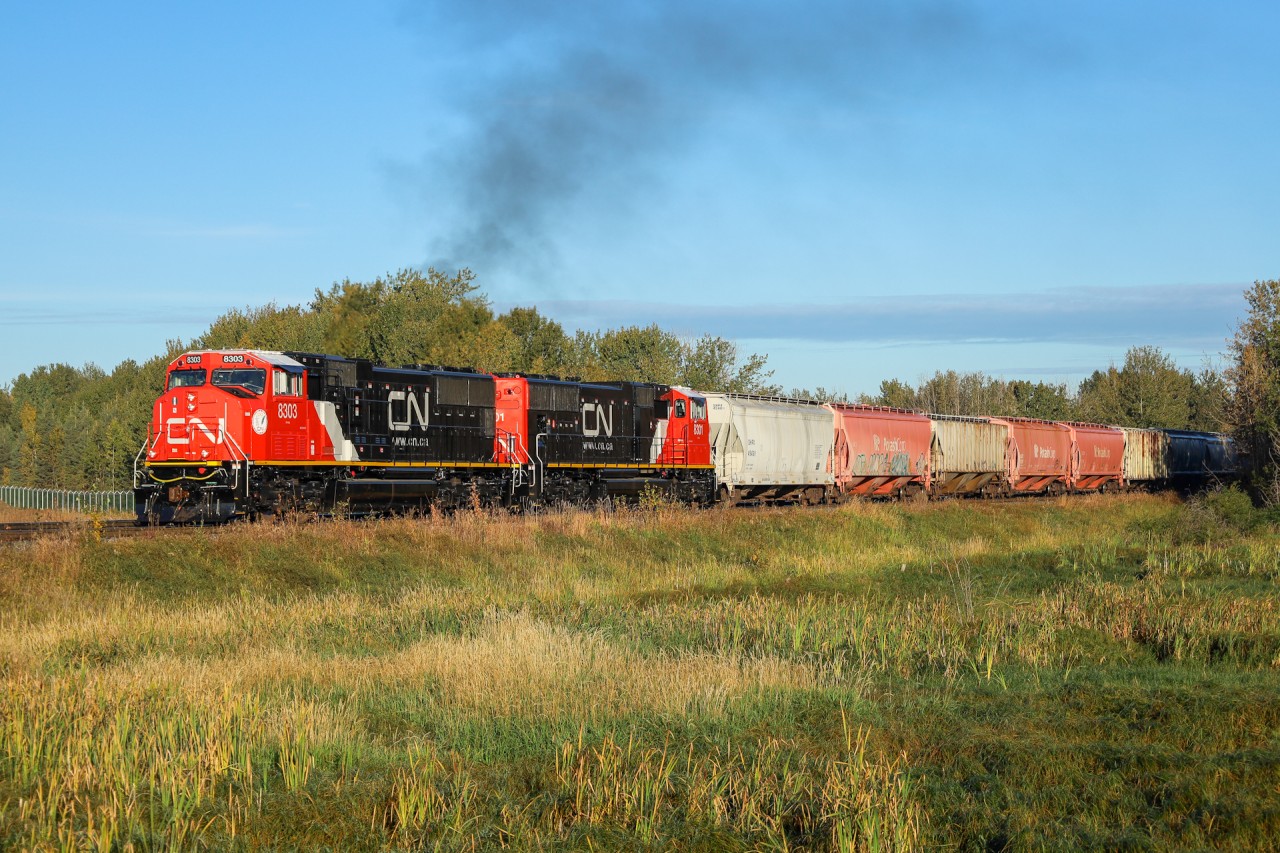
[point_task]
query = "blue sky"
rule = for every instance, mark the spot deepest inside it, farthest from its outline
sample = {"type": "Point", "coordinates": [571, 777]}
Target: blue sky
{"type": "Point", "coordinates": [860, 190]}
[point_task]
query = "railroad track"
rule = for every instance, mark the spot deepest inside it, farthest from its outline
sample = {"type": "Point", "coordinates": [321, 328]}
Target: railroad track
{"type": "Point", "coordinates": [16, 531]}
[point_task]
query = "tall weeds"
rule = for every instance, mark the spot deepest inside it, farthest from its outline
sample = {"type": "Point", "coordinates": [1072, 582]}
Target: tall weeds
{"type": "Point", "coordinates": [647, 678]}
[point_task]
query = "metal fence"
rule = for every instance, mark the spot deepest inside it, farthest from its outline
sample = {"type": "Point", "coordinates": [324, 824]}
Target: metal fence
{"type": "Point", "coordinates": [20, 497]}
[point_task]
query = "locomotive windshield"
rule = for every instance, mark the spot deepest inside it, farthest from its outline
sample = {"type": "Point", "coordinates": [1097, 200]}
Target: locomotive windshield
{"type": "Point", "coordinates": [186, 378]}
{"type": "Point", "coordinates": [246, 378]}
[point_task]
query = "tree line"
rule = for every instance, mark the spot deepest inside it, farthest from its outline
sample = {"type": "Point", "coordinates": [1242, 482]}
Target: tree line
{"type": "Point", "coordinates": [80, 428]}
{"type": "Point", "coordinates": [1148, 390]}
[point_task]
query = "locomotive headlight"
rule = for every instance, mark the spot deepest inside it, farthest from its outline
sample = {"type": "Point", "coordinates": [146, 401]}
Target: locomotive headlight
{"type": "Point", "coordinates": [204, 454]}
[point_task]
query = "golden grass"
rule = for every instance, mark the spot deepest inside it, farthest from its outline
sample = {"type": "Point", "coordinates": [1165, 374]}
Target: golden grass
{"type": "Point", "coordinates": [10, 514]}
{"type": "Point", "coordinates": [131, 718]}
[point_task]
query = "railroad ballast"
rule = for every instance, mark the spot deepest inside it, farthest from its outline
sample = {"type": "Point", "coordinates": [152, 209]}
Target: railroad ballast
{"type": "Point", "coordinates": [247, 433]}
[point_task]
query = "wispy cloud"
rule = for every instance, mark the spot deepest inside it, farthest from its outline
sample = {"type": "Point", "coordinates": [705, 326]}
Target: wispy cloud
{"type": "Point", "coordinates": [18, 312]}
{"type": "Point", "coordinates": [1194, 315]}
{"type": "Point", "coordinates": [226, 232]}
{"type": "Point", "coordinates": [151, 227]}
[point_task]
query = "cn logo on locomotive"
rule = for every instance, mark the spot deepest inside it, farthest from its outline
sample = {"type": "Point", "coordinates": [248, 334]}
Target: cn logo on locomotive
{"type": "Point", "coordinates": [411, 409]}
{"type": "Point", "coordinates": [189, 427]}
{"type": "Point", "coordinates": [601, 424]}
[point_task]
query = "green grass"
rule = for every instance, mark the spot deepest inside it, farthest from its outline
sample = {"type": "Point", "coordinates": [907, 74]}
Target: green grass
{"type": "Point", "coordinates": [1090, 673]}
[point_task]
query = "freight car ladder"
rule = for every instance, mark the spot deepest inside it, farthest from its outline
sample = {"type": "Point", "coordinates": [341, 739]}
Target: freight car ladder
{"type": "Point", "coordinates": [515, 450]}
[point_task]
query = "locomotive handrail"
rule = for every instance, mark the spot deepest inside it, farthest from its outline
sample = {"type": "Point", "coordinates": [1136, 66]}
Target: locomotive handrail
{"type": "Point", "coordinates": [973, 419]}
{"type": "Point", "coordinates": [518, 445]}
{"type": "Point", "coordinates": [244, 457]}
{"type": "Point", "coordinates": [537, 447]}
{"type": "Point", "coordinates": [768, 398]}
{"type": "Point", "coordinates": [868, 407]}
{"type": "Point", "coordinates": [147, 444]}
{"type": "Point", "coordinates": [516, 466]}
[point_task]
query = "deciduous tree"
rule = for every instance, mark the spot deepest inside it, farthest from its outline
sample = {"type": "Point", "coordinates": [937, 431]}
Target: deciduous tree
{"type": "Point", "coordinates": [1253, 407]}
{"type": "Point", "coordinates": [712, 364]}
{"type": "Point", "coordinates": [1148, 391]}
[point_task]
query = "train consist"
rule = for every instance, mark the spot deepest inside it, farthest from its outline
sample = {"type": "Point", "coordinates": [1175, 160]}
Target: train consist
{"type": "Point", "coordinates": [248, 433]}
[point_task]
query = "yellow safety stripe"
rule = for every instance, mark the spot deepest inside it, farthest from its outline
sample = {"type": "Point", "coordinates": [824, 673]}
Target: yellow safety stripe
{"type": "Point", "coordinates": [647, 466]}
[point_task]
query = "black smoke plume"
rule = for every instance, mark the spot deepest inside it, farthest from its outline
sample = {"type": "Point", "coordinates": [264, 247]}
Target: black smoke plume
{"type": "Point", "coordinates": [566, 95]}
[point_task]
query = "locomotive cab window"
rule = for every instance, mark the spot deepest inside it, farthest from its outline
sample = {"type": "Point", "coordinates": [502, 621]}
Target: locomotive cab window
{"type": "Point", "coordinates": [285, 383]}
{"type": "Point", "coordinates": [680, 408]}
{"type": "Point", "coordinates": [186, 378]}
{"type": "Point", "coordinates": [699, 408]}
{"type": "Point", "coordinates": [241, 381]}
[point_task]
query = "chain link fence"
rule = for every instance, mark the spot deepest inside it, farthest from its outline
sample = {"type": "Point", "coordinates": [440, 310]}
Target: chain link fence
{"type": "Point", "coordinates": [19, 497]}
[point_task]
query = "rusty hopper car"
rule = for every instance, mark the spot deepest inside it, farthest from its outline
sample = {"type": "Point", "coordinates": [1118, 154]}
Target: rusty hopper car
{"type": "Point", "coordinates": [1145, 462]}
{"type": "Point", "coordinates": [881, 451]}
{"type": "Point", "coordinates": [1040, 455]}
{"type": "Point", "coordinates": [968, 456]}
{"type": "Point", "coordinates": [1097, 458]}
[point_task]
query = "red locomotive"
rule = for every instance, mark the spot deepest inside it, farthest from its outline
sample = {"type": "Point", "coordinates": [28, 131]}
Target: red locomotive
{"type": "Point", "coordinates": [247, 432]}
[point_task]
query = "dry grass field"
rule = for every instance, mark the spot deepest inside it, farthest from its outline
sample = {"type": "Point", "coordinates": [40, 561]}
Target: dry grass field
{"type": "Point", "coordinates": [1068, 674]}
{"type": "Point", "coordinates": [9, 514]}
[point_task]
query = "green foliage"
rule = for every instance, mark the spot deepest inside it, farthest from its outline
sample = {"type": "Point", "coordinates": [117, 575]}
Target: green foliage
{"type": "Point", "coordinates": [80, 428]}
{"type": "Point", "coordinates": [1148, 391]}
{"type": "Point", "coordinates": [713, 364]}
{"type": "Point", "coordinates": [637, 354]}
{"type": "Point", "coordinates": [434, 318]}
{"type": "Point", "coordinates": [975, 393]}
{"type": "Point", "coordinates": [1233, 507]}
{"type": "Point", "coordinates": [1253, 408]}
{"type": "Point", "coordinates": [1209, 398]}
{"type": "Point", "coordinates": [541, 346]}
{"type": "Point", "coordinates": [896, 393]}
{"type": "Point", "coordinates": [1042, 400]}
{"type": "Point", "coordinates": [650, 354]}
{"type": "Point", "coordinates": [347, 308]}
{"type": "Point", "coordinates": [269, 327]}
